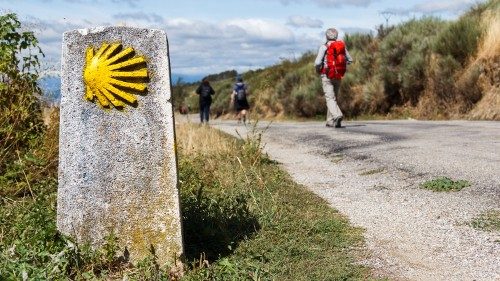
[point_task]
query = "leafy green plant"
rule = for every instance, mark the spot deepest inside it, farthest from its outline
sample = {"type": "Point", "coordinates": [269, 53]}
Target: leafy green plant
{"type": "Point", "coordinates": [445, 184]}
{"type": "Point", "coordinates": [20, 114]}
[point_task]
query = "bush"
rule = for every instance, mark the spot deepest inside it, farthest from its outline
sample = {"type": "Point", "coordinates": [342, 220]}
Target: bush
{"type": "Point", "coordinates": [307, 100]}
{"type": "Point", "coordinates": [460, 39]}
{"type": "Point", "coordinates": [403, 61]}
{"type": "Point", "coordinates": [357, 41]}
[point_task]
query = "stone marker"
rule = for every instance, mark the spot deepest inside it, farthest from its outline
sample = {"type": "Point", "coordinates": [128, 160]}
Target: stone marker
{"type": "Point", "coordinates": [117, 162]}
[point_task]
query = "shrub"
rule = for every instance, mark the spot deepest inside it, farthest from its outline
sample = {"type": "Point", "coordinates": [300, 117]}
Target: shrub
{"type": "Point", "coordinates": [374, 100]}
{"type": "Point", "coordinates": [459, 39]}
{"type": "Point", "coordinates": [403, 61]}
{"type": "Point", "coordinates": [358, 41]}
{"type": "Point", "coordinates": [307, 100]}
{"type": "Point", "coordinates": [20, 114]}
{"type": "Point", "coordinates": [440, 91]}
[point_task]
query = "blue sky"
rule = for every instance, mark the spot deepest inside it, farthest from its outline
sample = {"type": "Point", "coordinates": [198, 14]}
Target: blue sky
{"type": "Point", "coordinates": [210, 36]}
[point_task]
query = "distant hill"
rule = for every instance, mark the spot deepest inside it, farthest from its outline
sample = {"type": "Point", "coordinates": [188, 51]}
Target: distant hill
{"type": "Point", "coordinates": [51, 88]}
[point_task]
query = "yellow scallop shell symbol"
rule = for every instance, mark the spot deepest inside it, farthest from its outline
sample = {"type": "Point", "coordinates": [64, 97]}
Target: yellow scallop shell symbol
{"type": "Point", "coordinates": [114, 75]}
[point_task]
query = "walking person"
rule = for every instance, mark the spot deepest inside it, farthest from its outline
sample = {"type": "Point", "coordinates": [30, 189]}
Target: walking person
{"type": "Point", "coordinates": [205, 91]}
{"type": "Point", "coordinates": [331, 63]}
{"type": "Point", "coordinates": [239, 99]}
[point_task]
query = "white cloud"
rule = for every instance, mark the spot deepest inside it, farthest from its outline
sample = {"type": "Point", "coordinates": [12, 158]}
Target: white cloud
{"type": "Point", "coordinates": [140, 16]}
{"type": "Point", "coordinates": [455, 6]}
{"type": "Point", "coordinates": [338, 3]}
{"type": "Point", "coordinates": [196, 47]}
{"type": "Point", "coordinates": [301, 21]}
{"type": "Point", "coordinates": [260, 30]}
{"type": "Point", "coordinates": [432, 7]}
{"type": "Point", "coordinates": [332, 3]}
{"type": "Point", "coordinates": [353, 30]}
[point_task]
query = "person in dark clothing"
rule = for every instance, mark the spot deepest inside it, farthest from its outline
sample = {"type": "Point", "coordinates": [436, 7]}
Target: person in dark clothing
{"type": "Point", "coordinates": [205, 92]}
{"type": "Point", "coordinates": [239, 99]}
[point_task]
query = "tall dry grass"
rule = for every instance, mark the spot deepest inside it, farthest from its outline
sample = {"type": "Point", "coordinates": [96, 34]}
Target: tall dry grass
{"type": "Point", "coordinates": [488, 60]}
{"type": "Point", "coordinates": [490, 45]}
{"type": "Point", "coordinates": [200, 139]}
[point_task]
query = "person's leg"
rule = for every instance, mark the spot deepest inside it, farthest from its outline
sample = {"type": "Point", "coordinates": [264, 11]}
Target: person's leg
{"type": "Point", "coordinates": [207, 113]}
{"type": "Point", "coordinates": [238, 115]}
{"type": "Point", "coordinates": [336, 90]}
{"type": "Point", "coordinates": [201, 112]}
{"type": "Point", "coordinates": [329, 87]}
{"type": "Point", "coordinates": [244, 115]}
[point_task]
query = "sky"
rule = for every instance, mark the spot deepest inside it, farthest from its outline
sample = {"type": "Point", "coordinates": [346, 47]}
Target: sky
{"type": "Point", "coordinates": [211, 36]}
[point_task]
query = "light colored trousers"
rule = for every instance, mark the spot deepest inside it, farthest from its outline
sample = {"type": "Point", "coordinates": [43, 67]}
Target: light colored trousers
{"type": "Point", "coordinates": [331, 87]}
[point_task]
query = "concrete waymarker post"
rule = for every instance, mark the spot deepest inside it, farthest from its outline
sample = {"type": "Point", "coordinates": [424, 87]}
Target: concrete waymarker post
{"type": "Point", "coordinates": [117, 162]}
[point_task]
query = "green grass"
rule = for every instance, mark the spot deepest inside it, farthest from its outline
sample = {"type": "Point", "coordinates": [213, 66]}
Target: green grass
{"type": "Point", "coordinates": [445, 184]}
{"type": "Point", "coordinates": [488, 221]}
{"type": "Point", "coordinates": [295, 235]}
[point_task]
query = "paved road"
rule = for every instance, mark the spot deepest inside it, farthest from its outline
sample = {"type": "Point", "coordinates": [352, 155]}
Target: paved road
{"type": "Point", "coordinates": [371, 172]}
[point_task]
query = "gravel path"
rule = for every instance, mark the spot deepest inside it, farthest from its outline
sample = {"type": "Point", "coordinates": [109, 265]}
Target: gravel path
{"type": "Point", "coordinates": [371, 171]}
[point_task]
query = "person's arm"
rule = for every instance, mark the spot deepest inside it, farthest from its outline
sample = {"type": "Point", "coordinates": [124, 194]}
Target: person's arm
{"type": "Point", "coordinates": [348, 57]}
{"type": "Point", "coordinates": [318, 62]}
{"type": "Point", "coordinates": [231, 101]}
{"type": "Point", "coordinates": [212, 92]}
{"type": "Point", "coordinates": [198, 90]}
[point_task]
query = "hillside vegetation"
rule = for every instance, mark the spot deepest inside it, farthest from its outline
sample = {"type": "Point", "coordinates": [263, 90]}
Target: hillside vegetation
{"type": "Point", "coordinates": [424, 68]}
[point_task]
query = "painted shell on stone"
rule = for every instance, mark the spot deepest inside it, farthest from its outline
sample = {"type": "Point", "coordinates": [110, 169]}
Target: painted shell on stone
{"type": "Point", "coordinates": [114, 75]}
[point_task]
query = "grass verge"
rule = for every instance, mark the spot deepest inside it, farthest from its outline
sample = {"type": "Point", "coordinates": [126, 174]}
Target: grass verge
{"type": "Point", "coordinates": [295, 234]}
{"type": "Point", "coordinates": [243, 219]}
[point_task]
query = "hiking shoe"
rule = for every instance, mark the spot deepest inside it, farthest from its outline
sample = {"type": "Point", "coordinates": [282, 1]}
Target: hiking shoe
{"type": "Point", "coordinates": [338, 122]}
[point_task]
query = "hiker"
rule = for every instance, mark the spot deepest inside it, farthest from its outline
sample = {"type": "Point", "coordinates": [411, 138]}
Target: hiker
{"type": "Point", "coordinates": [205, 92]}
{"type": "Point", "coordinates": [331, 64]}
{"type": "Point", "coordinates": [239, 99]}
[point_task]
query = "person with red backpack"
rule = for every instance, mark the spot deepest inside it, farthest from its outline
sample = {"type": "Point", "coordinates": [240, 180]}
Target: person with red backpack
{"type": "Point", "coordinates": [331, 62]}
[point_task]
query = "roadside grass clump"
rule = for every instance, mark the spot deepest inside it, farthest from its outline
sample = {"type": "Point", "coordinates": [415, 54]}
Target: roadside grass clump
{"type": "Point", "coordinates": [283, 232]}
{"type": "Point", "coordinates": [445, 184]}
{"type": "Point", "coordinates": [487, 221]}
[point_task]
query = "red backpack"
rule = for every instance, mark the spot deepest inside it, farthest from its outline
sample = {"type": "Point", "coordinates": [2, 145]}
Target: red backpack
{"type": "Point", "coordinates": [335, 59]}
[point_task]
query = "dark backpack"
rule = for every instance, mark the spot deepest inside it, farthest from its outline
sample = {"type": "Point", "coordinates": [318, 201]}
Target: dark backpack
{"type": "Point", "coordinates": [241, 92]}
{"type": "Point", "coordinates": [205, 91]}
{"type": "Point", "coordinates": [336, 63]}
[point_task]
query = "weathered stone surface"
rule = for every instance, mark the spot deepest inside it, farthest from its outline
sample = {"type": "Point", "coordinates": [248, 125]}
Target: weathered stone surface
{"type": "Point", "coordinates": [117, 168]}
